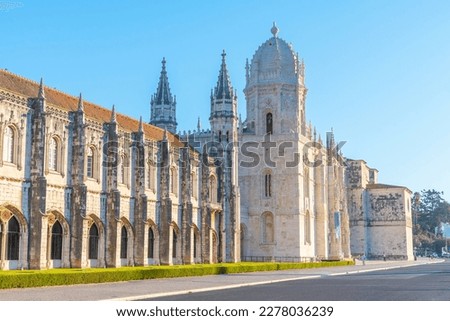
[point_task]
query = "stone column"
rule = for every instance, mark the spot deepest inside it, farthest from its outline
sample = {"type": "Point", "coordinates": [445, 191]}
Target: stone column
{"type": "Point", "coordinates": [186, 209]}
{"type": "Point", "coordinates": [37, 201]}
{"type": "Point", "coordinates": [140, 199]}
{"type": "Point", "coordinates": [78, 193]}
{"type": "Point", "coordinates": [165, 255]}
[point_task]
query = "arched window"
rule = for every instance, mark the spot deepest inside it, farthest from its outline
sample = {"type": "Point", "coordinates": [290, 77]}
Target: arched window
{"type": "Point", "coordinates": [90, 162]}
{"type": "Point", "coordinates": [12, 242]}
{"type": "Point", "coordinates": [308, 227]}
{"type": "Point", "coordinates": [269, 124]}
{"type": "Point", "coordinates": [124, 243]}
{"type": "Point", "coordinates": [267, 185]}
{"type": "Point", "coordinates": [93, 242]}
{"type": "Point", "coordinates": [267, 228]}
{"type": "Point", "coordinates": [56, 242]}
{"type": "Point", "coordinates": [174, 244]}
{"type": "Point", "coordinates": [53, 154]}
{"type": "Point", "coordinates": [151, 244]}
{"type": "Point", "coordinates": [8, 145]}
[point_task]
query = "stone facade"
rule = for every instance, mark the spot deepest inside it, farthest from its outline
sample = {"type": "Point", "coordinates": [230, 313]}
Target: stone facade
{"type": "Point", "coordinates": [293, 202]}
{"type": "Point", "coordinates": [380, 215]}
{"type": "Point", "coordinates": [83, 186]}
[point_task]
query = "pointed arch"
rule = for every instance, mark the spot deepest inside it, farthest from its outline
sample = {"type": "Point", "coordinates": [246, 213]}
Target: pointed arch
{"type": "Point", "coordinates": [123, 243]}
{"type": "Point", "coordinates": [58, 239]}
{"type": "Point", "coordinates": [269, 123]}
{"type": "Point", "coordinates": [176, 243]}
{"type": "Point", "coordinates": [94, 235]}
{"type": "Point", "coordinates": [95, 241]}
{"type": "Point", "coordinates": [13, 237]}
{"type": "Point", "coordinates": [92, 163]}
{"type": "Point", "coordinates": [126, 235]}
{"type": "Point", "coordinates": [54, 154]}
{"type": "Point", "coordinates": [152, 242]}
{"type": "Point", "coordinates": [10, 144]}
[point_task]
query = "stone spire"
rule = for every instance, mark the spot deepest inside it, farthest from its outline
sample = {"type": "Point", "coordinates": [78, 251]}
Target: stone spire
{"type": "Point", "coordinates": [223, 89]}
{"type": "Point", "coordinates": [113, 115]}
{"type": "Point", "coordinates": [80, 104]}
{"type": "Point", "coordinates": [223, 118]}
{"type": "Point", "coordinates": [163, 95]}
{"type": "Point", "coordinates": [199, 124]}
{"type": "Point", "coordinates": [163, 104]}
{"type": "Point", "coordinates": [141, 126]}
{"type": "Point", "coordinates": [41, 93]}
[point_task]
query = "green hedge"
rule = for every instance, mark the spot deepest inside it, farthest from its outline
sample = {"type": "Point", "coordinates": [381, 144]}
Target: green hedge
{"type": "Point", "coordinates": [37, 278]}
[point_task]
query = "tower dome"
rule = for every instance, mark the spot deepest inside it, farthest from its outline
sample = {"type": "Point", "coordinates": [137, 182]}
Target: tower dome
{"type": "Point", "coordinates": [274, 62]}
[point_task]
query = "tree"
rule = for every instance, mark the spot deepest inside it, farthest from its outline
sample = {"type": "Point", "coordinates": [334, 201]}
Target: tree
{"type": "Point", "coordinates": [429, 210]}
{"type": "Point", "coordinates": [432, 210]}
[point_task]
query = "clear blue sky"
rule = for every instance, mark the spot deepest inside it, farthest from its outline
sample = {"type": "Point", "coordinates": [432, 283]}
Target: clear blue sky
{"type": "Point", "coordinates": [377, 71]}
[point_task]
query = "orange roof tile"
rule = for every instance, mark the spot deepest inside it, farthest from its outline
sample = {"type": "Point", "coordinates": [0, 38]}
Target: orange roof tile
{"type": "Point", "coordinates": [29, 89]}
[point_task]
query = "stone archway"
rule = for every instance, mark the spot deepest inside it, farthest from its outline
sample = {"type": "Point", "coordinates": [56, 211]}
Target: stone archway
{"type": "Point", "coordinates": [13, 238]}
{"type": "Point", "coordinates": [175, 244]}
{"type": "Point", "coordinates": [58, 240]}
{"type": "Point", "coordinates": [126, 242]}
{"type": "Point", "coordinates": [94, 242]}
{"type": "Point", "coordinates": [151, 238]}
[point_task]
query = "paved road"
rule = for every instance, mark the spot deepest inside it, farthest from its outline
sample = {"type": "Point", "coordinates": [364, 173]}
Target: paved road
{"type": "Point", "coordinates": [314, 280]}
{"type": "Point", "coordinates": [415, 283]}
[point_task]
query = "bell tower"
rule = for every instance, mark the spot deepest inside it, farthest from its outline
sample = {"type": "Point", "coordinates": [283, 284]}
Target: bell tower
{"type": "Point", "coordinates": [223, 117]}
{"type": "Point", "coordinates": [163, 104]}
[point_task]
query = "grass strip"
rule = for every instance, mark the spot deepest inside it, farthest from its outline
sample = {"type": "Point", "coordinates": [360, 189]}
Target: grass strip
{"type": "Point", "coordinates": [40, 278]}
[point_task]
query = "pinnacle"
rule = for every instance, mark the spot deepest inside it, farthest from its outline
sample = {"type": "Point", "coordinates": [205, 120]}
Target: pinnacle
{"type": "Point", "coordinates": [223, 89]}
{"type": "Point", "coordinates": [80, 103]}
{"type": "Point", "coordinates": [113, 115]}
{"type": "Point", "coordinates": [41, 93]}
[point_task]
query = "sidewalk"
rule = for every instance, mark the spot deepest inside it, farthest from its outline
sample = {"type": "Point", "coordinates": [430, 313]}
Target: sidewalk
{"type": "Point", "coordinates": [134, 290]}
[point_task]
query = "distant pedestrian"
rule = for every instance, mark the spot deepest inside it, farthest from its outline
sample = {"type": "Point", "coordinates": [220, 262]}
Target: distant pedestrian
{"type": "Point", "coordinates": [363, 259]}
{"type": "Point", "coordinates": [384, 257]}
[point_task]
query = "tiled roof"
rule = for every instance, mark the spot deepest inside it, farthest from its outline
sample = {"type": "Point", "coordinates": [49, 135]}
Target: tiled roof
{"type": "Point", "coordinates": [29, 89]}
